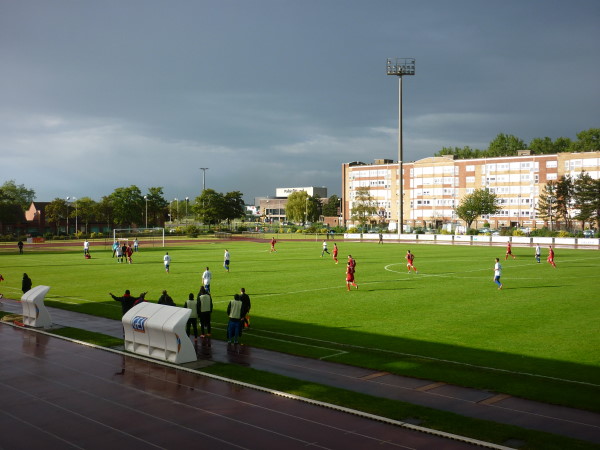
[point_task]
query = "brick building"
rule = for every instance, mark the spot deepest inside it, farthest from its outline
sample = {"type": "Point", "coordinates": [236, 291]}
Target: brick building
{"type": "Point", "coordinates": [433, 187]}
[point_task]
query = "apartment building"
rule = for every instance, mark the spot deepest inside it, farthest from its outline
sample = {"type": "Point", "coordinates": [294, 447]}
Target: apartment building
{"type": "Point", "coordinates": [433, 187]}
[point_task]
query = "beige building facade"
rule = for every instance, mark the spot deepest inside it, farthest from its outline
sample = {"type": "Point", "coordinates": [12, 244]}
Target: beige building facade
{"type": "Point", "coordinates": [434, 187]}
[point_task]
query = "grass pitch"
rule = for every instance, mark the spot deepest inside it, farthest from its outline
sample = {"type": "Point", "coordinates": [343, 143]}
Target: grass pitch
{"type": "Point", "coordinates": [536, 338]}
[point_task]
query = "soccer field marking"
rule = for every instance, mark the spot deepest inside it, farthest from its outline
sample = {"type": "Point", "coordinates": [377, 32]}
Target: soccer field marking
{"type": "Point", "coordinates": [485, 269]}
{"type": "Point", "coordinates": [412, 355]}
{"type": "Point", "coordinates": [338, 352]}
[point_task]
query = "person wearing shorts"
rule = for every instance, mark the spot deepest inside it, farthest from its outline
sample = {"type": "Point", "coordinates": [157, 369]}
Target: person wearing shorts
{"type": "Point", "coordinates": [498, 273]}
{"type": "Point", "coordinates": [551, 256]}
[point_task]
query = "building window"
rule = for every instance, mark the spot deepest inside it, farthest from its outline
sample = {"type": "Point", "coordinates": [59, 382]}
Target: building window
{"type": "Point", "coordinates": [551, 164]}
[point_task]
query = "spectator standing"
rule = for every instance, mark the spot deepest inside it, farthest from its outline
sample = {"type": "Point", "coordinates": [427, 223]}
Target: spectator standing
{"type": "Point", "coordinates": [205, 308]}
{"type": "Point", "coordinates": [165, 299]}
{"type": "Point", "coordinates": [247, 305]}
{"type": "Point", "coordinates": [136, 245]}
{"type": "Point", "coordinates": [20, 245]}
{"type": "Point", "coordinates": [538, 253]}
{"type": "Point", "coordinates": [26, 283]}
{"type": "Point", "coordinates": [206, 279]}
{"type": "Point", "coordinates": [235, 312]}
{"type": "Point", "coordinates": [193, 320]}
{"type": "Point", "coordinates": [86, 247]}
{"type": "Point", "coordinates": [126, 301]}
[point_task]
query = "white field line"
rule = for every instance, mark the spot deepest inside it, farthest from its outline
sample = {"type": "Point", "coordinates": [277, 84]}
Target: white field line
{"type": "Point", "coordinates": [485, 269]}
{"type": "Point", "coordinates": [338, 352]}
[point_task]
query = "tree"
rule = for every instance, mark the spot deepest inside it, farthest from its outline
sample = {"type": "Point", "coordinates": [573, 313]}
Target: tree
{"type": "Point", "coordinates": [364, 206]}
{"type": "Point", "coordinates": [128, 204]}
{"type": "Point", "coordinates": [587, 141]}
{"type": "Point", "coordinates": [586, 197]}
{"type": "Point", "coordinates": [545, 146]}
{"type": "Point", "coordinates": [296, 209]}
{"type": "Point", "coordinates": [157, 205]}
{"type": "Point", "coordinates": [547, 205]}
{"type": "Point", "coordinates": [104, 211]}
{"type": "Point", "coordinates": [14, 201]}
{"type": "Point", "coordinates": [505, 145]}
{"type": "Point", "coordinates": [313, 210]}
{"type": "Point", "coordinates": [480, 202]}
{"type": "Point", "coordinates": [564, 199]}
{"type": "Point", "coordinates": [210, 206]}
{"type": "Point", "coordinates": [331, 208]}
{"type": "Point", "coordinates": [234, 206]}
{"type": "Point", "coordinates": [87, 210]}
{"type": "Point", "coordinates": [56, 211]}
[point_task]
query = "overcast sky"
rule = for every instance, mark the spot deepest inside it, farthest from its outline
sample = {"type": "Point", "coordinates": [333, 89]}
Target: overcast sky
{"type": "Point", "coordinates": [96, 95]}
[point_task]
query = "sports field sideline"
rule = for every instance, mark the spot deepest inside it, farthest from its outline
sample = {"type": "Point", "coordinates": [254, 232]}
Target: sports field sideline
{"type": "Point", "coordinates": [538, 337]}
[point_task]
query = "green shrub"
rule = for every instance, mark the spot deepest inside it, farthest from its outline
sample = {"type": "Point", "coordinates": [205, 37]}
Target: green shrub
{"type": "Point", "coordinates": [472, 232]}
{"type": "Point", "coordinates": [517, 232]}
{"type": "Point", "coordinates": [191, 231]}
{"type": "Point", "coordinates": [564, 234]}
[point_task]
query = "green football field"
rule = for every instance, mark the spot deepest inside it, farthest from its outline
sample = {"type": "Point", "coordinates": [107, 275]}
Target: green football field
{"type": "Point", "coordinates": [538, 337]}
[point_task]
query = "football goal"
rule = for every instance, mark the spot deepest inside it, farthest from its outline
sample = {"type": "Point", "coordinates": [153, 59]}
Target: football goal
{"type": "Point", "coordinates": [146, 236]}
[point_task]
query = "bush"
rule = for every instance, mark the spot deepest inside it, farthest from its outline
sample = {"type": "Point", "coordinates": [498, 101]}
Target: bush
{"type": "Point", "coordinates": [517, 232]}
{"type": "Point", "coordinates": [472, 232]}
{"type": "Point", "coordinates": [541, 232]}
{"type": "Point", "coordinates": [190, 230]}
{"type": "Point", "coordinates": [564, 234]}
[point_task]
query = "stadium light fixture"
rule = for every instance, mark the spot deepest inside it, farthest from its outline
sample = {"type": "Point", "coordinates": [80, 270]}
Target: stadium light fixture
{"type": "Point", "coordinates": [146, 198]}
{"type": "Point", "coordinates": [400, 67]}
{"type": "Point", "coordinates": [203, 169]}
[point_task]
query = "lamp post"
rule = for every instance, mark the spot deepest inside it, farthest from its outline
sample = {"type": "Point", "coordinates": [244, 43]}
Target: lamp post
{"type": "Point", "coordinates": [176, 209]}
{"type": "Point", "coordinates": [68, 198]}
{"type": "Point", "coordinates": [187, 200]}
{"type": "Point", "coordinates": [203, 169]}
{"type": "Point", "coordinates": [400, 67]}
{"type": "Point", "coordinates": [146, 198]}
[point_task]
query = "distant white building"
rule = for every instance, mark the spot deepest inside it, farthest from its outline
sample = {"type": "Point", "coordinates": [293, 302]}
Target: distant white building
{"type": "Point", "coordinates": [272, 209]}
{"type": "Point", "coordinates": [321, 192]}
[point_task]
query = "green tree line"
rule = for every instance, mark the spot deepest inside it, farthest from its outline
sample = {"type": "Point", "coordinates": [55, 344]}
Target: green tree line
{"type": "Point", "coordinates": [508, 145]}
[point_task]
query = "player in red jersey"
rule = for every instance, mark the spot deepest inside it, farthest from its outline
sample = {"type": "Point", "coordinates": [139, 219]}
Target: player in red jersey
{"type": "Point", "coordinates": [551, 256]}
{"type": "Point", "coordinates": [335, 253]}
{"type": "Point", "coordinates": [273, 242]}
{"type": "Point", "coordinates": [350, 276]}
{"type": "Point", "coordinates": [409, 261]}
{"type": "Point", "coordinates": [509, 251]}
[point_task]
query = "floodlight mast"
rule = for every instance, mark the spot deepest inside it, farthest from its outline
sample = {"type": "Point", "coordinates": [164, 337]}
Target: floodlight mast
{"type": "Point", "coordinates": [400, 67]}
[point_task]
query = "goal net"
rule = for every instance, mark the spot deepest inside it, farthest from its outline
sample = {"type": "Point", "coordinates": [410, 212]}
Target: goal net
{"type": "Point", "coordinates": [154, 237]}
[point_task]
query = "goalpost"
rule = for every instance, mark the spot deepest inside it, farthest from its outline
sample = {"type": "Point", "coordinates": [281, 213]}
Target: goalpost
{"type": "Point", "coordinates": [146, 235]}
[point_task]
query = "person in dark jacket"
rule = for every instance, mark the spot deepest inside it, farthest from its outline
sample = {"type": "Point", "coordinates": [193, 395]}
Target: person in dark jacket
{"type": "Point", "coordinates": [205, 307]}
{"type": "Point", "coordinates": [26, 284]}
{"type": "Point", "coordinates": [165, 299]}
{"type": "Point", "coordinates": [246, 305]}
{"type": "Point", "coordinates": [126, 301]}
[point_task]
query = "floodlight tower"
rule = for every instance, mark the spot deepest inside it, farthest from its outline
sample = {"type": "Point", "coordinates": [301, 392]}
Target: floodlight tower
{"type": "Point", "coordinates": [203, 169]}
{"type": "Point", "coordinates": [400, 67]}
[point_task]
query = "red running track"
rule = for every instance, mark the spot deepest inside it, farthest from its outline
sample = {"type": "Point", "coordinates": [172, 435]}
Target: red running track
{"type": "Point", "coordinates": [57, 394]}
